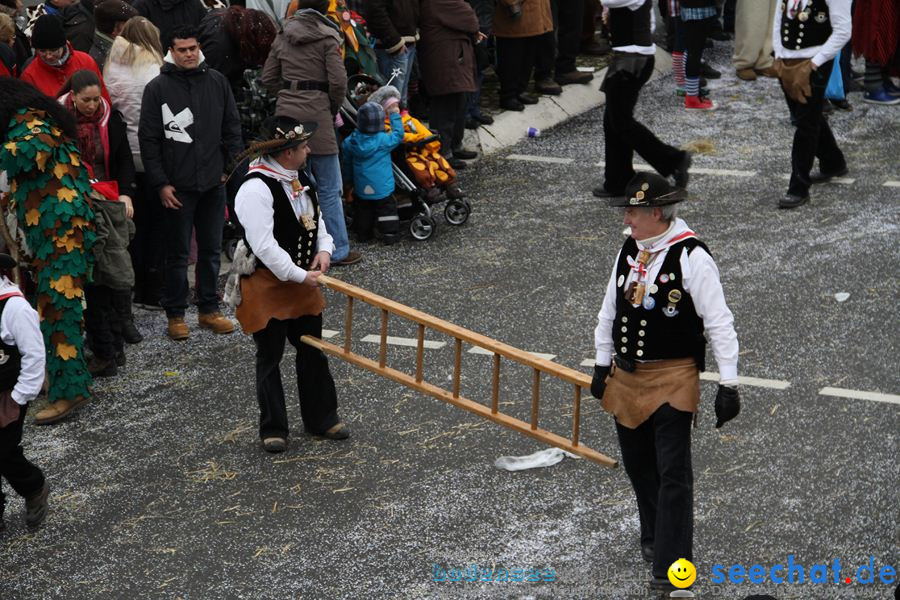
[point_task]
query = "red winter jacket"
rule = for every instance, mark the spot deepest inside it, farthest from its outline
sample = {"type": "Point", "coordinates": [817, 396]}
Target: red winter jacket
{"type": "Point", "coordinates": [49, 79]}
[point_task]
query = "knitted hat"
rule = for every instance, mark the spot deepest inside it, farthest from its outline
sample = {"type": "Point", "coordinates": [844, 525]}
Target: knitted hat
{"type": "Point", "coordinates": [48, 33]}
{"type": "Point", "coordinates": [370, 118]}
{"type": "Point", "coordinates": [386, 96]}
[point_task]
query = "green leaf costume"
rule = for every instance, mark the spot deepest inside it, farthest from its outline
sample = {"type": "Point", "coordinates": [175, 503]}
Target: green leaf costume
{"type": "Point", "coordinates": [49, 191]}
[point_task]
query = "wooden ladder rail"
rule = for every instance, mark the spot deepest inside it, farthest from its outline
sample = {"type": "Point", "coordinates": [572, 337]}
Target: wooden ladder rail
{"type": "Point", "coordinates": [499, 350]}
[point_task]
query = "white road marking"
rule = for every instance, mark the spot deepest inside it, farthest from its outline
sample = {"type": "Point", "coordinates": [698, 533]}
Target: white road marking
{"type": "Point", "coordinates": [775, 384]}
{"type": "Point", "coordinates": [860, 395]}
{"type": "Point", "coordinates": [891, 184]}
{"type": "Point", "coordinates": [840, 180]}
{"type": "Point", "coordinates": [696, 170]}
{"type": "Point", "coordinates": [588, 362]}
{"type": "Point", "coordinates": [542, 159]}
{"type": "Point", "coordinates": [329, 333]}
{"type": "Point", "coordinates": [479, 350]}
{"type": "Point", "coordinates": [404, 341]}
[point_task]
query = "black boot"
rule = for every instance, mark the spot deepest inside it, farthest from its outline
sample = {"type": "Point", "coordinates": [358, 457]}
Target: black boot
{"type": "Point", "coordinates": [130, 333]}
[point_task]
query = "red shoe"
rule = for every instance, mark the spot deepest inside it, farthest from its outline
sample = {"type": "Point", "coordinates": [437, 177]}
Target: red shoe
{"type": "Point", "coordinates": [698, 103]}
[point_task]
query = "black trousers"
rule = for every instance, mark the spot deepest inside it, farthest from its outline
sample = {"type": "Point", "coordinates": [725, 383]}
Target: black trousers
{"type": "Point", "coordinates": [813, 137]}
{"type": "Point", "coordinates": [560, 47]}
{"type": "Point", "coordinates": [695, 33]}
{"type": "Point", "coordinates": [25, 478]}
{"type": "Point", "coordinates": [657, 459]}
{"type": "Point", "coordinates": [371, 214]}
{"type": "Point", "coordinates": [625, 136]}
{"type": "Point", "coordinates": [515, 61]}
{"type": "Point", "coordinates": [107, 310]}
{"type": "Point", "coordinates": [447, 118]}
{"type": "Point", "coordinates": [315, 387]}
{"type": "Point", "coordinates": [147, 248]}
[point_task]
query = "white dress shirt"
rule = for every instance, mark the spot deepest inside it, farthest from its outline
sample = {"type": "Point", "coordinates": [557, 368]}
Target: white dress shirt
{"type": "Point", "coordinates": [253, 205]}
{"type": "Point", "coordinates": [20, 327]}
{"type": "Point", "coordinates": [700, 279]}
{"type": "Point", "coordinates": [841, 27]}
{"type": "Point", "coordinates": [634, 5]}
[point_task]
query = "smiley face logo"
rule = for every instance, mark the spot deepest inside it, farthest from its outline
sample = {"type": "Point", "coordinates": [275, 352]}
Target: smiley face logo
{"type": "Point", "coordinates": [682, 573]}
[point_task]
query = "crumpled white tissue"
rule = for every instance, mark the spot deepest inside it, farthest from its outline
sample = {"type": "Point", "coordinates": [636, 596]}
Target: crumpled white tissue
{"type": "Point", "coordinates": [542, 458]}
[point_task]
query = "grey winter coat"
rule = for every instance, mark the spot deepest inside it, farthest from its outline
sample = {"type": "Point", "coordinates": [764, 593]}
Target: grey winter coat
{"type": "Point", "coordinates": [308, 49]}
{"type": "Point", "coordinates": [114, 231]}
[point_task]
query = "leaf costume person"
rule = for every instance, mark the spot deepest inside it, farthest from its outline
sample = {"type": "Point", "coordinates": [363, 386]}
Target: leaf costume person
{"type": "Point", "coordinates": [49, 193]}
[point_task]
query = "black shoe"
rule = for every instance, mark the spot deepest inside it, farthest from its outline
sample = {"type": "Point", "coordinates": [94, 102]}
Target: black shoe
{"type": "Point", "coordinates": [465, 154]}
{"type": "Point", "coordinates": [647, 552]}
{"type": "Point", "coordinates": [120, 359]}
{"type": "Point", "coordinates": [484, 119]}
{"type": "Point", "coordinates": [602, 192]}
{"type": "Point", "coordinates": [703, 84]}
{"type": "Point", "coordinates": [458, 164]}
{"type": "Point", "coordinates": [708, 72]}
{"type": "Point", "coordinates": [596, 48]}
{"type": "Point", "coordinates": [681, 174]}
{"type": "Point", "coordinates": [841, 104]}
{"type": "Point", "coordinates": [98, 367]}
{"type": "Point", "coordinates": [827, 108]}
{"type": "Point", "coordinates": [512, 104]}
{"type": "Point", "coordinates": [130, 333]}
{"type": "Point", "coordinates": [662, 584]}
{"type": "Point", "coordinates": [527, 99]}
{"type": "Point", "coordinates": [274, 445]}
{"type": "Point", "coordinates": [548, 87]}
{"type": "Point", "coordinates": [472, 124]}
{"type": "Point", "coordinates": [36, 507]}
{"type": "Point", "coordinates": [821, 177]}
{"type": "Point", "coordinates": [708, 44]}
{"type": "Point", "coordinates": [853, 86]}
{"type": "Point", "coordinates": [792, 201]}
{"type": "Point", "coordinates": [574, 77]}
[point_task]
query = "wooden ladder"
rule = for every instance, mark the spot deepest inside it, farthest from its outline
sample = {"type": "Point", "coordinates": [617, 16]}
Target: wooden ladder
{"type": "Point", "coordinates": [499, 350]}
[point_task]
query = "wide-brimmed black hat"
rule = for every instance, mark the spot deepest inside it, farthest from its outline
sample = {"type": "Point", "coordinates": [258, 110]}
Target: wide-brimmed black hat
{"type": "Point", "coordinates": [7, 261]}
{"type": "Point", "coordinates": [649, 190]}
{"type": "Point", "coordinates": [292, 131]}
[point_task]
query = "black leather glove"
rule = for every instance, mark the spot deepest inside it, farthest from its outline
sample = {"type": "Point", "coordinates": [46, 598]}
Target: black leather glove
{"type": "Point", "coordinates": [728, 404]}
{"type": "Point", "coordinates": [598, 383]}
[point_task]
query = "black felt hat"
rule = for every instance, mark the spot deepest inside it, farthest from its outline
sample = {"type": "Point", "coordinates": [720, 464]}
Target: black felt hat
{"type": "Point", "coordinates": [6, 261]}
{"type": "Point", "coordinates": [649, 190]}
{"type": "Point", "coordinates": [292, 131]}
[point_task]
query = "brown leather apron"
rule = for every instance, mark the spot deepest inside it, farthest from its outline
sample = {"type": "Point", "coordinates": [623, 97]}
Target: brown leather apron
{"type": "Point", "coordinates": [633, 397]}
{"type": "Point", "coordinates": [265, 297]}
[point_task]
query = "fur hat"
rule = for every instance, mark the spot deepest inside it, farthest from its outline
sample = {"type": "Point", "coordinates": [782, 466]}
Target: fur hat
{"type": "Point", "coordinates": [386, 96]}
{"type": "Point", "coordinates": [48, 33]}
{"type": "Point", "coordinates": [370, 118]}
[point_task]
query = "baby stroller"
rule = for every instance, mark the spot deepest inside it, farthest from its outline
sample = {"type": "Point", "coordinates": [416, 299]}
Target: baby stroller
{"type": "Point", "coordinates": [415, 202]}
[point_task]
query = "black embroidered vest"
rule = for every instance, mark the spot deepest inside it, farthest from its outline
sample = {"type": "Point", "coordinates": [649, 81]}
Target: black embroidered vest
{"type": "Point", "coordinates": [665, 325]}
{"type": "Point", "coordinates": [630, 27]}
{"type": "Point", "coordinates": [809, 28]}
{"type": "Point", "coordinates": [10, 361]}
{"type": "Point", "coordinates": [287, 229]}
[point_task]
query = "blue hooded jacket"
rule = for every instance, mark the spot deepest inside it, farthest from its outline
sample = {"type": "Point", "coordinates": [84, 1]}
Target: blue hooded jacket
{"type": "Point", "coordinates": [366, 160]}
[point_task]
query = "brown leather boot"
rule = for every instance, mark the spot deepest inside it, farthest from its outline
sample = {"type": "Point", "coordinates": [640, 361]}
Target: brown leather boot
{"type": "Point", "coordinates": [215, 322]}
{"type": "Point", "coordinates": [58, 410]}
{"type": "Point", "coordinates": [178, 329]}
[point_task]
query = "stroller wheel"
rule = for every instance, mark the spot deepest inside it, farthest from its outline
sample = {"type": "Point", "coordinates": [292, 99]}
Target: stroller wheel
{"type": "Point", "coordinates": [457, 212]}
{"type": "Point", "coordinates": [422, 227]}
{"type": "Point", "coordinates": [229, 246]}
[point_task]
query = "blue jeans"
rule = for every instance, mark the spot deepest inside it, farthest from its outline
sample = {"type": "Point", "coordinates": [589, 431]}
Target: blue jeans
{"type": "Point", "coordinates": [388, 62]}
{"type": "Point", "coordinates": [326, 169]}
{"type": "Point", "coordinates": [203, 212]}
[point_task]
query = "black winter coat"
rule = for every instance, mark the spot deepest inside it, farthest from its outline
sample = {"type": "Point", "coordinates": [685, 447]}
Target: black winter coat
{"type": "Point", "coordinates": [121, 160]}
{"type": "Point", "coordinates": [169, 14]}
{"type": "Point", "coordinates": [78, 23]}
{"type": "Point", "coordinates": [189, 128]}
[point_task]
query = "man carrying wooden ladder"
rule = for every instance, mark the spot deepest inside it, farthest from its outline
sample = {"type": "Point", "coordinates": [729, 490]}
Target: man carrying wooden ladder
{"type": "Point", "coordinates": [663, 293]}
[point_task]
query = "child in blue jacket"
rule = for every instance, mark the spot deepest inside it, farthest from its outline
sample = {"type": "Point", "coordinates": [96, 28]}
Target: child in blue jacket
{"type": "Point", "coordinates": [366, 161]}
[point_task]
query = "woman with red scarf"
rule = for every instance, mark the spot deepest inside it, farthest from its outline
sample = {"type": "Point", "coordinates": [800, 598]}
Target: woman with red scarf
{"type": "Point", "coordinates": [103, 144]}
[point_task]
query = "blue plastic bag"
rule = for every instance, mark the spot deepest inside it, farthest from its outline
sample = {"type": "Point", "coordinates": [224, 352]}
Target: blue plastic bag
{"type": "Point", "coordinates": [835, 88]}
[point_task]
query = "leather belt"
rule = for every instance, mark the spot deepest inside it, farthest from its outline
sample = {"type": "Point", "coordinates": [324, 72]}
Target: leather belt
{"type": "Point", "coordinates": [625, 364]}
{"type": "Point", "coordinates": [304, 85]}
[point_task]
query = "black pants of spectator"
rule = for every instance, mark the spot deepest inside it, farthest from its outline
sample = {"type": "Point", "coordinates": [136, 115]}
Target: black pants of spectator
{"type": "Point", "coordinates": [203, 212]}
{"type": "Point", "coordinates": [813, 137]}
{"type": "Point", "coordinates": [369, 215]}
{"type": "Point", "coordinates": [657, 459]}
{"type": "Point", "coordinates": [447, 118]}
{"type": "Point", "coordinates": [625, 136]}
{"type": "Point", "coordinates": [25, 478]}
{"type": "Point", "coordinates": [103, 319]}
{"type": "Point", "coordinates": [315, 386]}
{"type": "Point", "coordinates": [148, 245]}
{"type": "Point", "coordinates": [515, 62]}
{"type": "Point", "coordinates": [695, 32]}
{"type": "Point", "coordinates": [560, 47]}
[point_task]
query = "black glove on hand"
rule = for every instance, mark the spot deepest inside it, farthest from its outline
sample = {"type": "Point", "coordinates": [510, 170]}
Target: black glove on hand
{"type": "Point", "coordinates": [728, 404]}
{"type": "Point", "coordinates": [598, 383]}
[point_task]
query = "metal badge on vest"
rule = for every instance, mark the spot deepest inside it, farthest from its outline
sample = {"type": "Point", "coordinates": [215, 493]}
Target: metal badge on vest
{"type": "Point", "coordinates": [656, 321]}
{"type": "Point", "coordinates": [804, 27]}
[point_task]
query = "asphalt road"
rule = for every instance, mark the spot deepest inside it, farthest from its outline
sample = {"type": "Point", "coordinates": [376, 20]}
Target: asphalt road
{"type": "Point", "coordinates": [159, 488]}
